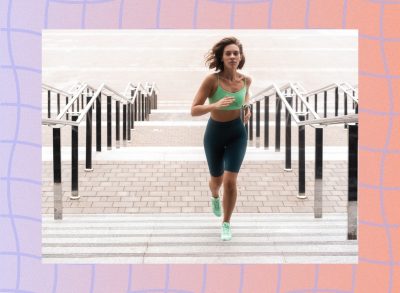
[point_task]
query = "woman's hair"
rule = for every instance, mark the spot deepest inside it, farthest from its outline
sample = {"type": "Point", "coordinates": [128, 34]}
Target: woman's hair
{"type": "Point", "coordinates": [214, 56]}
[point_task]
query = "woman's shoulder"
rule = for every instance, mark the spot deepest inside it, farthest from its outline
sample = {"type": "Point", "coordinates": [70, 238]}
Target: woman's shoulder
{"type": "Point", "coordinates": [246, 78]}
{"type": "Point", "coordinates": [211, 79]}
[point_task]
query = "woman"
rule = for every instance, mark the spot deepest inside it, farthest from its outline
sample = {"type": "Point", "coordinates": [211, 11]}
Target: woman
{"type": "Point", "coordinates": [225, 138]}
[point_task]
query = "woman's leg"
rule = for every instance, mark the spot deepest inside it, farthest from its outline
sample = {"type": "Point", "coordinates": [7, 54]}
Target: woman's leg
{"type": "Point", "coordinates": [230, 194]}
{"type": "Point", "coordinates": [233, 157]}
{"type": "Point", "coordinates": [215, 184]}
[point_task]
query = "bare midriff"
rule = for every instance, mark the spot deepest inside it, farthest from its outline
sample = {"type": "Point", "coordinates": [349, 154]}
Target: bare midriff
{"type": "Point", "coordinates": [224, 116]}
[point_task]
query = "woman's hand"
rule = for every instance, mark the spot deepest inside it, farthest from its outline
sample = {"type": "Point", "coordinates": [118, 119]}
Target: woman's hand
{"type": "Point", "coordinates": [247, 115]}
{"type": "Point", "coordinates": [224, 102]}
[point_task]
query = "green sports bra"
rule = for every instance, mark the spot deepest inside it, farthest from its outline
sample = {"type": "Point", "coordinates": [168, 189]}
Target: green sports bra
{"type": "Point", "coordinates": [221, 93]}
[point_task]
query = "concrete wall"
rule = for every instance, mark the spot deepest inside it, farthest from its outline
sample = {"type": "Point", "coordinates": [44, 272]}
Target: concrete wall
{"type": "Point", "coordinates": [174, 59]}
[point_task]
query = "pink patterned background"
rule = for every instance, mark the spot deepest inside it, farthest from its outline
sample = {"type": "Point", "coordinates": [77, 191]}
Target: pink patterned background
{"type": "Point", "coordinates": [21, 23]}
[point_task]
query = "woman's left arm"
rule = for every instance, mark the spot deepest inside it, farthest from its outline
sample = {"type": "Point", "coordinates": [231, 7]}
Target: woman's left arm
{"type": "Point", "coordinates": [247, 99]}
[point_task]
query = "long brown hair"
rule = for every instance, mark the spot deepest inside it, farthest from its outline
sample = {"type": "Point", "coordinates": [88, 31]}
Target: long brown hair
{"type": "Point", "coordinates": [214, 56]}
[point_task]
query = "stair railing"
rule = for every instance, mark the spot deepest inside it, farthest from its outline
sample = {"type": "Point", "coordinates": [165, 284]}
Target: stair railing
{"type": "Point", "coordinates": [93, 101]}
{"type": "Point", "coordinates": [285, 95]}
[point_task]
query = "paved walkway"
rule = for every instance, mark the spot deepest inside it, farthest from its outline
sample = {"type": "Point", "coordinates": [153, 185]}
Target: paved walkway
{"type": "Point", "coordinates": [182, 186]}
{"type": "Point", "coordinates": [194, 238]}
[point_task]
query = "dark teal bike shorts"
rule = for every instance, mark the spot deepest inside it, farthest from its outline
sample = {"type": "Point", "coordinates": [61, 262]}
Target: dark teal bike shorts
{"type": "Point", "coordinates": [225, 145]}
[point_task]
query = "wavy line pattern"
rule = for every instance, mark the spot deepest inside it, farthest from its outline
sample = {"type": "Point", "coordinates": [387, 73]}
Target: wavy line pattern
{"type": "Point", "coordinates": [50, 18]}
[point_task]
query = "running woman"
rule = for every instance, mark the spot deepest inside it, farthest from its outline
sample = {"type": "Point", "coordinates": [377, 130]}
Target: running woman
{"type": "Point", "coordinates": [225, 138]}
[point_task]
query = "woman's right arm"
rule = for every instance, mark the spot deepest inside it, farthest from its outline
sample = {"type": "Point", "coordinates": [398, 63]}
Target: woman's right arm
{"type": "Point", "coordinates": [198, 107]}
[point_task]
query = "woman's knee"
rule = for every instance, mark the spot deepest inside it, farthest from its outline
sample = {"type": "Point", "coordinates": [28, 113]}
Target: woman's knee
{"type": "Point", "coordinates": [216, 180]}
{"type": "Point", "coordinates": [230, 184]}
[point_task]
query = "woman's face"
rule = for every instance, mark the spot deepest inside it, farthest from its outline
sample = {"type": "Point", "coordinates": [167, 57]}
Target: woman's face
{"type": "Point", "coordinates": [231, 56]}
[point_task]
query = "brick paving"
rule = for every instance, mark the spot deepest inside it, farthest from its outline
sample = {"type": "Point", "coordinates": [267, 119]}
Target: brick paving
{"type": "Point", "coordinates": [182, 187]}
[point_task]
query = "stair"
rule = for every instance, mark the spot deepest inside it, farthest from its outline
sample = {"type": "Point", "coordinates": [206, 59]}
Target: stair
{"type": "Point", "coordinates": [194, 238]}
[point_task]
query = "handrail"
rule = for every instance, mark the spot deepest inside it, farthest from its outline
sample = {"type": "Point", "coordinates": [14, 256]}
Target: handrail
{"type": "Point", "coordinates": [72, 101]}
{"type": "Point", "coordinates": [351, 118]}
{"type": "Point", "coordinates": [117, 96]}
{"type": "Point", "coordinates": [332, 86]}
{"type": "Point", "coordinates": [153, 88]}
{"type": "Point", "coordinates": [346, 90]}
{"type": "Point", "coordinates": [53, 89]}
{"type": "Point", "coordinates": [58, 123]}
{"type": "Point", "coordinates": [124, 99]}
{"type": "Point", "coordinates": [135, 88]}
{"type": "Point", "coordinates": [308, 106]}
{"type": "Point", "coordinates": [275, 90]}
{"type": "Point", "coordinates": [350, 123]}
{"type": "Point", "coordinates": [321, 90]}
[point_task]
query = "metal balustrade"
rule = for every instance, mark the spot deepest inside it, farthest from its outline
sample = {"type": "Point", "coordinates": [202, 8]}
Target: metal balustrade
{"type": "Point", "coordinates": [136, 104]}
{"type": "Point", "coordinates": [294, 98]}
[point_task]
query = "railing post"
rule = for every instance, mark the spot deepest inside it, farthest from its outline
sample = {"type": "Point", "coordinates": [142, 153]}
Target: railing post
{"type": "Point", "coordinates": [345, 106]}
{"type": "Point", "coordinates": [135, 118]}
{"type": "Point", "coordinates": [288, 138]}
{"type": "Point", "coordinates": [258, 124]}
{"type": "Point", "coordinates": [302, 159]}
{"type": "Point", "coordinates": [89, 138]}
{"type": "Point", "coordinates": [266, 122]}
{"type": "Point", "coordinates": [318, 187]}
{"type": "Point", "coordinates": [128, 121]}
{"type": "Point", "coordinates": [297, 103]}
{"type": "Point", "coordinates": [74, 160]}
{"type": "Point", "coordinates": [301, 105]}
{"type": "Point", "coordinates": [98, 123]}
{"type": "Point", "coordinates": [316, 103]}
{"type": "Point", "coordinates": [109, 133]}
{"type": "Point", "coordinates": [57, 189]}
{"type": "Point", "coordinates": [117, 124]}
{"type": "Point", "coordinates": [307, 99]}
{"type": "Point", "coordinates": [145, 106]}
{"type": "Point", "coordinates": [66, 103]}
{"type": "Point", "coordinates": [148, 107]}
{"type": "Point", "coordinates": [139, 106]}
{"type": "Point", "coordinates": [336, 101]}
{"type": "Point", "coordinates": [131, 117]}
{"type": "Point", "coordinates": [278, 106]}
{"type": "Point", "coordinates": [251, 123]}
{"type": "Point", "coordinates": [325, 103]}
{"type": "Point", "coordinates": [352, 181]}
{"type": "Point", "coordinates": [151, 102]}
{"type": "Point", "coordinates": [124, 124]}
{"type": "Point", "coordinates": [77, 104]}
{"type": "Point", "coordinates": [142, 102]}
{"type": "Point", "coordinates": [58, 104]}
{"type": "Point", "coordinates": [48, 104]}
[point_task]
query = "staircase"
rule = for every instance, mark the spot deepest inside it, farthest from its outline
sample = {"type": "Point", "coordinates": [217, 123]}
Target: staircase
{"type": "Point", "coordinates": [148, 202]}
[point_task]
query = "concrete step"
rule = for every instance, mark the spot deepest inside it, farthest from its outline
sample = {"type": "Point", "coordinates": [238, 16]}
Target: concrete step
{"type": "Point", "coordinates": [195, 238]}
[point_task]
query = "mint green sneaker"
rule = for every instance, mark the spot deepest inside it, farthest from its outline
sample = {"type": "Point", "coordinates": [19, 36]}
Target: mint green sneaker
{"type": "Point", "coordinates": [226, 233]}
{"type": "Point", "coordinates": [216, 206]}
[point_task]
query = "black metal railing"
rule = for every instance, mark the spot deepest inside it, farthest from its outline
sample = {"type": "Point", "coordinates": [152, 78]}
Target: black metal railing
{"type": "Point", "coordinates": [93, 101]}
{"type": "Point", "coordinates": [293, 98]}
